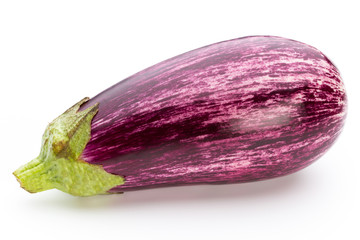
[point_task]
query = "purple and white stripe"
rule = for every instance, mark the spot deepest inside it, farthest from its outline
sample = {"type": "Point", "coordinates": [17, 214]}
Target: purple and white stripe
{"type": "Point", "coordinates": [236, 111]}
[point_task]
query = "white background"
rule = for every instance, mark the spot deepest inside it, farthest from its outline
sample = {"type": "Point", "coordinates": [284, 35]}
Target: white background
{"type": "Point", "coordinates": [53, 53]}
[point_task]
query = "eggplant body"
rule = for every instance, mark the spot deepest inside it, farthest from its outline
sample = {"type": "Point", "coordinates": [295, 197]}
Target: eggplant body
{"type": "Point", "coordinates": [241, 110]}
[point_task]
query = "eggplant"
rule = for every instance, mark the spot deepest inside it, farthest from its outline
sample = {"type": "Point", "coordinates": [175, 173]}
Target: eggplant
{"type": "Point", "coordinates": [241, 110]}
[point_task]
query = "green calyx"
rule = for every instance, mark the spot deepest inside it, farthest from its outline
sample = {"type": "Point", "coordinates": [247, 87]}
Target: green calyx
{"type": "Point", "coordinates": [59, 164]}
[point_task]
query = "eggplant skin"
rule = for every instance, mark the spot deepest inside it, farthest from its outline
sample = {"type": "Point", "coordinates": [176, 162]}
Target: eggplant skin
{"type": "Point", "coordinates": [247, 109]}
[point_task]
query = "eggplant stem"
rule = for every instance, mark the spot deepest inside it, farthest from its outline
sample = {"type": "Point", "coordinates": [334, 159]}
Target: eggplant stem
{"type": "Point", "coordinates": [33, 177]}
{"type": "Point", "coordinates": [59, 164]}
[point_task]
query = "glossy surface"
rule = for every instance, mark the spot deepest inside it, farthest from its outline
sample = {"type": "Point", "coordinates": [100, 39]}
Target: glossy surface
{"type": "Point", "coordinates": [241, 110]}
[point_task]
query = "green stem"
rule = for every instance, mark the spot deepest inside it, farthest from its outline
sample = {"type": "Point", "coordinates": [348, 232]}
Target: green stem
{"type": "Point", "coordinates": [59, 164]}
{"type": "Point", "coordinates": [34, 176]}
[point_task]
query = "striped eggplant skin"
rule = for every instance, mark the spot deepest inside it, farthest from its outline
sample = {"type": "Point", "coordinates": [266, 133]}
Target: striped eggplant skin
{"type": "Point", "coordinates": [241, 110]}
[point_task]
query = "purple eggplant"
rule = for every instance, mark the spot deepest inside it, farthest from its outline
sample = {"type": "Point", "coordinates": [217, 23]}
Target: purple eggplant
{"type": "Point", "coordinates": [242, 110]}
